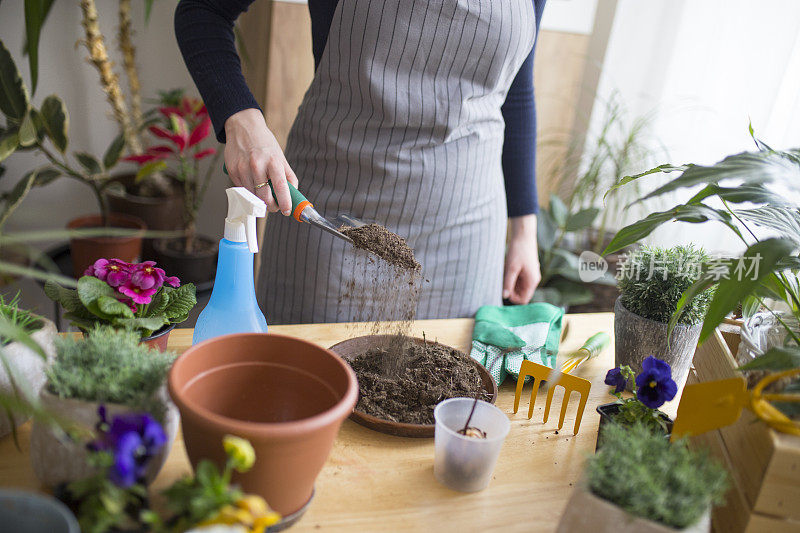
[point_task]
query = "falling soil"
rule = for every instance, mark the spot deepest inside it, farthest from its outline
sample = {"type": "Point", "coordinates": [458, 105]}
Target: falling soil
{"type": "Point", "coordinates": [431, 374]}
{"type": "Point", "coordinates": [387, 245]}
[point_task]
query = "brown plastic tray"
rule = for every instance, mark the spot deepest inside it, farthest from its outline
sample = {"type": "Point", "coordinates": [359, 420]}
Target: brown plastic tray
{"type": "Point", "coordinates": [351, 348]}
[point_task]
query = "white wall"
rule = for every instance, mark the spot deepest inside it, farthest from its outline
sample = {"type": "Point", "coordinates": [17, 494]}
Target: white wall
{"type": "Point", "coordinates": [63, 70]}
{"type": "Point", "coordinates": [706, 67]}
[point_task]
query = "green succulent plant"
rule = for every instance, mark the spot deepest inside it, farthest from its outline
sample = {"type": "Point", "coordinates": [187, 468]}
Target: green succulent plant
{"type": "Point", "coordinates": [649, 477]}
{"type": "Point", "coordinates": [111, 366]}
{"type": "Point", "coordinates": [21, 318]}
{"type": "Point", "coordinates": [653, 280]}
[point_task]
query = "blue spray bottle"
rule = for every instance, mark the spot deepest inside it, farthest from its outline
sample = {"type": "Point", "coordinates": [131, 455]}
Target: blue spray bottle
{"type": "Point", "coordinates": [232, 307]}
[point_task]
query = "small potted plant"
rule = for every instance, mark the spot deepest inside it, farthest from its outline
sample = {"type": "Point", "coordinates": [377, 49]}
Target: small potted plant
{"type": "Point", "coordinates": [652, 388]}
{"type": "Point", "coordinates": [185, 127]}
{"type": "Point", "coordinates": [107, 367]}
{"type": "Point", "coordinates": [25, 361]}
{"type": "Point", "coordinates": [639, 482]}
{"type": "Point", "coordinates": [652, 281]}
{"type": "Point", "coordinates": [140, 297]}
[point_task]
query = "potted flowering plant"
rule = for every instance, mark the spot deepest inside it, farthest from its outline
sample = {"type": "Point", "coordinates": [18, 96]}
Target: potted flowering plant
{"type": "Point", "coordinates": [652, 388]}
{"type": "Point", "coordinates": [107, 367]}
{"type": "Point", "coordinates": [183, 129]}
{"type": "Point", "coordinates": [140, 297]}
{"type": "Point", "coordinates": [641, 483]}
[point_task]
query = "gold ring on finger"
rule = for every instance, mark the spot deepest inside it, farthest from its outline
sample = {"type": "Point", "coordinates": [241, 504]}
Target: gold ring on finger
{"type": "Point", "coordinates": [261, 185]}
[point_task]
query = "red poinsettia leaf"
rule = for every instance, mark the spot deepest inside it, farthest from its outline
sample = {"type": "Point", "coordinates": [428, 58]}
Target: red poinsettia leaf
{"type": "Point", "coordinates": [202, 112]}
{"type": "Point", "coordinates": [168, 111]}
{"type": "Point", "coordinates": [204, 153]}
{"type": "Point", "coordinates": [158, 131]}
{"type": "Point", "coordinates": [160, 149]}
{"type": "Point", "coordinates": [140, 159]}
{"type": "Point", "coordinates": [200, 132]}
{"type": "Point", "coordinates": [186, 105]}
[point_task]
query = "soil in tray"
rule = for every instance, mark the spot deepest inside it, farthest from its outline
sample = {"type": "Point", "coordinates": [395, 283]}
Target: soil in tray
{"type": "Point", "coordinates": [431, 374]}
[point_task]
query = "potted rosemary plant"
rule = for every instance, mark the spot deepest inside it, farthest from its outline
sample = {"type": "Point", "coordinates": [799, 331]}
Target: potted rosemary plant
{"type": "Point", "coordinates": [639, 482]}
{"type": "Point", "coordinates": [108, 367]}
{"type": "Point", "coordinates": [652, 282]}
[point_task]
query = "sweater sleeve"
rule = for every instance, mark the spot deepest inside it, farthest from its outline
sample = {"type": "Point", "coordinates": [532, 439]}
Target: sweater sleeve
{"type": "Point", "coordinates": [204, 31]}
{"type": "Point", "coordinates": [519, 144]}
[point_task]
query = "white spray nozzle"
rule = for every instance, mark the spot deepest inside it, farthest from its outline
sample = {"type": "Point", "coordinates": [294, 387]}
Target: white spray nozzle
{"type": "Point", "coordinates": [243, 208]}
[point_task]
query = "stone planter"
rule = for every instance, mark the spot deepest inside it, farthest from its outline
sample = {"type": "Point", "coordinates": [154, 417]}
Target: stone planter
{"type": "Point", "coordinates": [587, 512]}
{"type": "Point", "coordinates": [57, 459]}
{"type": "Point", "coordinates": [636, 338]}
{"type": "Point", "coordinates": [30, 366]}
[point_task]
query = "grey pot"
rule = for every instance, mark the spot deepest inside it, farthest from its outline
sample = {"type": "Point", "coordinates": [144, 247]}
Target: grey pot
{"type": "Point", "coordinates": [29, 512]}
{"type": "Point", "coordinates": [29, 366]}
{"type": "Point", "coordinates": [57, 459]}
{"type": "Point", "coordinates": [636, 338]}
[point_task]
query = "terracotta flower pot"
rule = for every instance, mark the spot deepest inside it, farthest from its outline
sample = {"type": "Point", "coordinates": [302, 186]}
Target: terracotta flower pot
{"type": "Point", "coordinates": [636, 338]}
{"type": "Point", "coordinates": [57, 459]}
{"type": "Point", "coordinates": [607, 412]}
{"type": "Point", "coordinates": [587, 512]}
{"type": "Point", "coordinates": [30, 366]}
{"type": "Point", "coordinates": [287, 396]}
{"type": "Point", "coordinates": [159, 339]}
{"type": "Point", "coordinates": [87, 250]}
{"type": "Point", "coordinates": [162, 213]}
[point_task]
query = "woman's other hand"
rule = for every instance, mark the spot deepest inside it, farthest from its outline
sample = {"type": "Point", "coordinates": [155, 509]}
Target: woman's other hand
{"type": "Point", "coordinates": [253, 156]}
{"type": "Point", "coordinates": [522, 273]}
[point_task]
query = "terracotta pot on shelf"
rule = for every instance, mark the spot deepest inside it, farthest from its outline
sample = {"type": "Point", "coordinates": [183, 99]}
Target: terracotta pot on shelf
{"type": "Point", "coordinates": [87, 250]}
{"type": "Point", "coordinates": [159, 339]}
{"type": "Point", "coordinates": [198, 267]}
{"type": "Point", "coordinates": [56, 460]}
{"type": "Point", "coordinates": [162, 213]}
{"type": "Point", "coordinates": [287, 396]}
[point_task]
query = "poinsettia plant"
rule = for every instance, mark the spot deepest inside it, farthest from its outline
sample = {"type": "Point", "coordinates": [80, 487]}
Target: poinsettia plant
{"type": "Point", "coordinates": [136, 296]}
{"type": "Point", "coordinates": [182, 131]}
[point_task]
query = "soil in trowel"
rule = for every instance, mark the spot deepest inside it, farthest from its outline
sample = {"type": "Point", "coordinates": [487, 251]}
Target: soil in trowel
{"type": "Point", "coordinates": [432, 373]}
{"type": "Point", "coordinates": [387, 245]}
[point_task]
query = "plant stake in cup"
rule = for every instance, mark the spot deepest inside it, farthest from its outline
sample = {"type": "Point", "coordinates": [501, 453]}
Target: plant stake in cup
{"type": "Point", "coordinates": [461, 462]}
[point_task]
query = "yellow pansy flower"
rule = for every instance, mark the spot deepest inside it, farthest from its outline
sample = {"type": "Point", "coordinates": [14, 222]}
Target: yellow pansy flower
{"type": "Point", "coordinates": [240, 451]}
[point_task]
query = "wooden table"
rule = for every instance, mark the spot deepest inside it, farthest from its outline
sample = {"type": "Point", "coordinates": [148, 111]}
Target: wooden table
{"type": "Point", "coordinates": [375, 482]}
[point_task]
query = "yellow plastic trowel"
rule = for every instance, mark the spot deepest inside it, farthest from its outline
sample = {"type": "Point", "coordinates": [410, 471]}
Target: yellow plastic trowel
{"type": "Point", "coordinates": [715, 404]}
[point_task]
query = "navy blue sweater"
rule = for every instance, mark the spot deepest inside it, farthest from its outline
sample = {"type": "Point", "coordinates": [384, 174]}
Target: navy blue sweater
{"type": "Point", "coordinates": [204, 29]}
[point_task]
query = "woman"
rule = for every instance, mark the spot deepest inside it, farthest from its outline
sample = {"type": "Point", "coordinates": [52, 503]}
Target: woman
{"type": "Point", "coordinates": [420, 117]}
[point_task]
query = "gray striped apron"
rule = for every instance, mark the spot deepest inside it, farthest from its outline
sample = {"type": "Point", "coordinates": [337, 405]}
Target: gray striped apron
{"type": "Point", "coordinates": [402, 126]}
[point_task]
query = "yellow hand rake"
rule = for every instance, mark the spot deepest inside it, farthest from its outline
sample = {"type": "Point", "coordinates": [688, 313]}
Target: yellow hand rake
{"type": "Point", "coordinates": [591, 348]}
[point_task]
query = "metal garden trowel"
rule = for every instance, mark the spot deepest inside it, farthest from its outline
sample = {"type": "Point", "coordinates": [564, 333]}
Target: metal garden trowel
{"type": "Point", "coordinates": [715, 404]}
{"type": "Point", "coordinates": [303, 211]}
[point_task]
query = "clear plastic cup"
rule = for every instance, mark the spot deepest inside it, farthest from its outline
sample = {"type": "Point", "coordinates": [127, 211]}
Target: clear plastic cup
{"type": "Point", "coordinates": [466, 463]}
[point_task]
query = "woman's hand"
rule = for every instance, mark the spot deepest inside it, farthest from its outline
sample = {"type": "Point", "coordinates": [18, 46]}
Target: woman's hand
{"type": "Point", "coordinates": [253, 156]}
{"type": "Point", "coordinates": [522, 273]}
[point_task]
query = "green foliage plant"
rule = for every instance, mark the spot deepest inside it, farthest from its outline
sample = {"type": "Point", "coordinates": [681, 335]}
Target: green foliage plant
{"type": "Point", "coordinates": [652, 281]}
{"type": "Point", "coordinates": [110, 366]}
{"type": "Point", "coordinates": [649, 477]}
{"type": "Point", "coordinates": [21, 318]}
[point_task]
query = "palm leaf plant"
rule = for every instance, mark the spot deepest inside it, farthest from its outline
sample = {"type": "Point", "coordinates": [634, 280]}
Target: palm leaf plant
{"type": "Point", "coordinates": [758, 189]}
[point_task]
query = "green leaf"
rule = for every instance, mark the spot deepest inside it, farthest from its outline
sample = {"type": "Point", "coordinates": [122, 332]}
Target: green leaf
{"type": "Point", "coordinates": [782, 219]}
{"type": "Point", "coordinates": [147, 325]}
{"type": "Point", "coordinates": [775, 359]}
{"type": "Point", "coordinates": [150, 168]}
{"type": "Point", "coordinates": [545, 231]}
{"type": "Point", "coordinates": [582, 219]}
{"type": "Point", "coordinates": [14, 197]}
{"type": "Point", "coordinates": [36, 12]}
{"type": "Point", "coordinates": [111, 306]}
{"type": "Point", "coordinates": [696, 213]}
{"type": "Point", "coordinates": [558, 211]}
{"type": "Point", "coordinates": [657, 170]}
{"type": "Point", "coordinates": [158, 304]}
{"type": "Point", "coordinates": [181, 301]}
{"type": "Point", "coordinates": [14, 100]}
{"type": "Point", "coordinates": [67, 298]}
{"type": "Point", "coordinates": [569, 292]}
{"type": "Point", "coordinates": [111, 157]}
{"type": "Point", "coordinates": [765, 254]}
{"type": "Point", "coordinates": [148, 9]}
{"type": "Point", "coordinates": [56, 120]}
{"type": "Point", "coordinates": [92, 293]}
{"type": "Point", "coordinates": [8, 145]}
{"type": "Point", "coordinates": [89, 162]}
{"type": "Point", "coordinates": [27, 131]}
{"type": "Point", "coordinates": [46, 176]}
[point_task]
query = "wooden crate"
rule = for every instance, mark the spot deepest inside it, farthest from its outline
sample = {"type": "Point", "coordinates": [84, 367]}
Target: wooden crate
{"type": "Point", "coordinates": [764, 464]}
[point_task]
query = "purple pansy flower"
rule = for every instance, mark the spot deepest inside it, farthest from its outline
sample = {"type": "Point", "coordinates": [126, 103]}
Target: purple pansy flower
{"type": "Point", "coordinates": [147, 275]}
{"type": "Point", "coordinates": [133, 439]}
{"type": "Point", "coordinates": [614, 378]}
{"type": "Point", "coordinates": [655, 383]}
